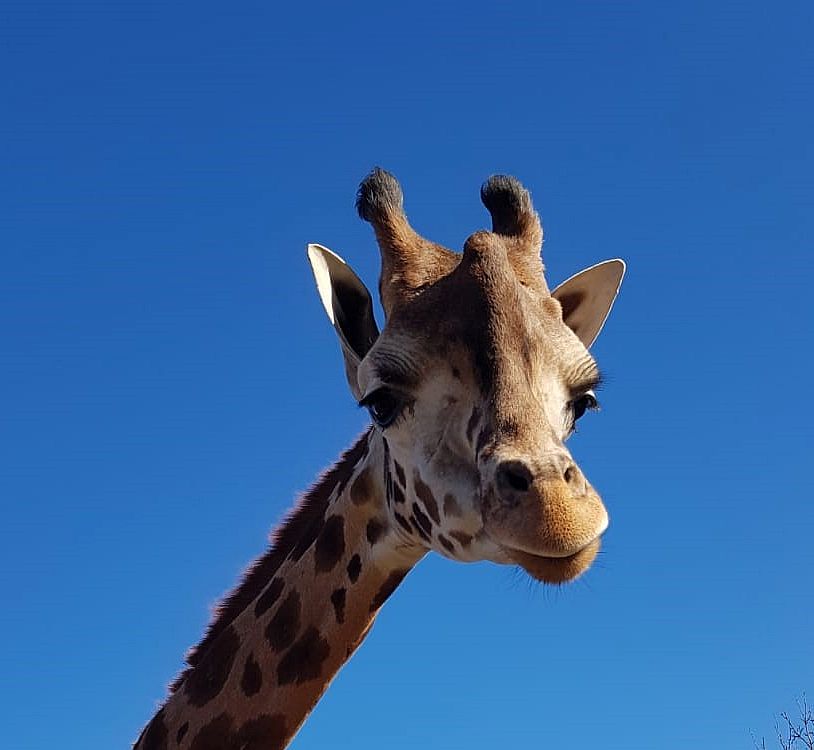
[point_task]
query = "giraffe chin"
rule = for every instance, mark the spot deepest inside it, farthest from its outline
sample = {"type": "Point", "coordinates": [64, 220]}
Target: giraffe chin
{"type": "Point", "coordinates": [556, 569]}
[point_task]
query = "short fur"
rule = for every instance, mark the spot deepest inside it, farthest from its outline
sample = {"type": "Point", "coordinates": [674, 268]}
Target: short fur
{"type": "Point", "coordinates": [301, 523]}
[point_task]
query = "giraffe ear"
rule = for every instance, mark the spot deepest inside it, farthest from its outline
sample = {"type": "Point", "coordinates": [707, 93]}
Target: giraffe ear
{"type": "Point", "coordinates": [587, 298]}
{"type": "Point", "coordinates": [349, 306]}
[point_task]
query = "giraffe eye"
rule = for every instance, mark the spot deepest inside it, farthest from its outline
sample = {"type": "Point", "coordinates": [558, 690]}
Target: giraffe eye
{"type": "Point", "coordinates": [582, 404]}
{"type": "Point", "coordinates": [384, 406]}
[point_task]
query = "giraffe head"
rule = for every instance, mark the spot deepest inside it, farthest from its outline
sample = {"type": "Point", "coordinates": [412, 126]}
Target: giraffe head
{"type": "Point", "coordinates": [476, 382]}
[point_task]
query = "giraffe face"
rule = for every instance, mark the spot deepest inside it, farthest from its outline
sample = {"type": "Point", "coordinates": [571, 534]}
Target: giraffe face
{"type": "Point", "coordinates": [476, 383]}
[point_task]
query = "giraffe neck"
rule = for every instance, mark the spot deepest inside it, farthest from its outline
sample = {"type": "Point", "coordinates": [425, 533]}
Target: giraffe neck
{"type": "Point", "coordinates": [297, 618]}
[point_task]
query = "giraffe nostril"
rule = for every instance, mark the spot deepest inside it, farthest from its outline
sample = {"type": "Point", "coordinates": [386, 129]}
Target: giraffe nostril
{"type": "Point", "coordinates": [570, 474]}
{"type": "Point", "coordinates": [514, 475]}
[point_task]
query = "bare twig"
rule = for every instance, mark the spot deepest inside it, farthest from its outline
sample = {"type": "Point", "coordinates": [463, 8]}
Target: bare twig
{"type": "Point", "coordinates": [793, 734]}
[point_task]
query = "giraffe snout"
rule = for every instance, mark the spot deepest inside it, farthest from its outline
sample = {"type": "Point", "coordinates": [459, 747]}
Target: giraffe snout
{"type": "Point", "coordinates": [542, 506]}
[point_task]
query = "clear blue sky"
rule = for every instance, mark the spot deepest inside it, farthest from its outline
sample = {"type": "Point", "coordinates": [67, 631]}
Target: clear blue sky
{"type": "Point", "coordinates": [169, 380]}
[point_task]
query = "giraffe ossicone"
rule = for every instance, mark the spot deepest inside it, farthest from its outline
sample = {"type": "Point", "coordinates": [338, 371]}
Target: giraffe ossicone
{"type": "Point", "coordinates": [473, 386]}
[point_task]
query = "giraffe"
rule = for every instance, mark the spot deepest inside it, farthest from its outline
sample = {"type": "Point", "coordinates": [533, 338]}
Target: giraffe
{"type": "Point", "coordinates": [473, 386]}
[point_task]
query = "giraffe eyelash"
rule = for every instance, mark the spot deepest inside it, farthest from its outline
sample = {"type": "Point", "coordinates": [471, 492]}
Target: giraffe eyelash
{"type": "Point", "coordinates": [386, 407]}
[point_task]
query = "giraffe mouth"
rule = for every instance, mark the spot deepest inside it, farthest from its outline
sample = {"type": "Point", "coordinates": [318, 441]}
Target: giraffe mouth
{"type": "Point", "coordinates": [556, 569]}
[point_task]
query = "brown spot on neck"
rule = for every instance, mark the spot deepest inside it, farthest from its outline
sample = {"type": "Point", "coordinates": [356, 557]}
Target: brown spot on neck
{"type": "Point", "coordinates": [338, 600]}
{"type": "Point", "coordinates": [403, 522]}
{"type": "Point", "coordinates": [448, 546]}
{"type": "Point", "coordinates": [206, 679]}
{"type": "Point", "coordinates": [283, 627]}
{"type": "Point", "coordinates": [214, 735]}
{"type": "Point", "coordinates": [361, 490]}
{"type": "Point", "coordinates": [461, 537]}
{"type": "Point", "coordinates": [303, 661]}
{"type": "Point", "coordinates": [330, 545]}
{"type": "Point", "coordinates": [154, 736]}
{"type": "Point", "coordinates": [421, 533]}
{"type": "Point", "coordinates": [424, 494]}
{"type": "Point", "coordinates": [252, 679]}
{"type": "Point", "coordinates": [264, 732]}
{"type": "Point", "coordinates": [400, 478]}
{"type": "Point", "coordinates": [388, 477]}
{"type": "Point", "coordinates": [422, 519]}
{"type": "Point", "coordinates": [354, 568]}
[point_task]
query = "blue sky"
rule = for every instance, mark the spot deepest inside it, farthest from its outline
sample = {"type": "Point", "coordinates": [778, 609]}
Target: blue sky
{"type": "Point", "coordinates": [169, 381]}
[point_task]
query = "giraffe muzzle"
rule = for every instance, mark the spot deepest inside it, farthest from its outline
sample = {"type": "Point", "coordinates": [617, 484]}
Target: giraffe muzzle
{"type": "Point", "coordinates": [545, 515]}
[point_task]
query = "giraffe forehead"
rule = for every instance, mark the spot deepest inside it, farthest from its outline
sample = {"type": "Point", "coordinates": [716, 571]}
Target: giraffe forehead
{"type": "Point", "coordinates": [488, 320]}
